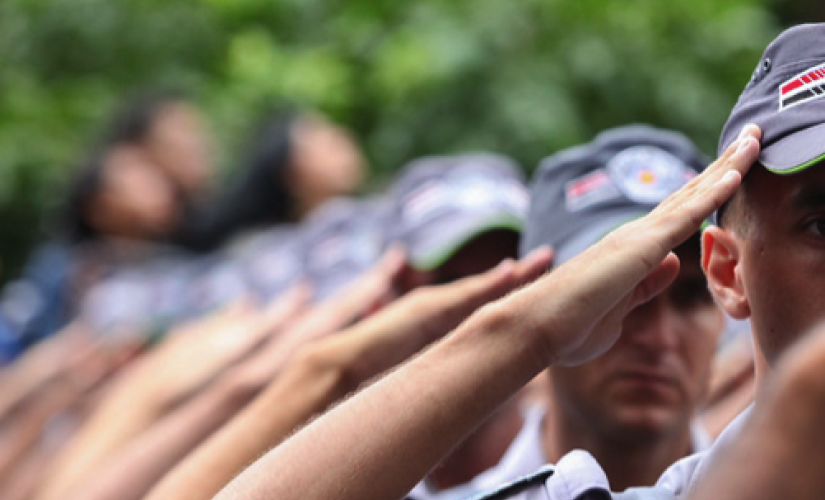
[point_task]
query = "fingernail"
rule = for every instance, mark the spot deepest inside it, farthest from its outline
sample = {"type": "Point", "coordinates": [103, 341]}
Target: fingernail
{"type": "Point", "coordinates": [744, 131]}
{"type": "Point", "coordinates": [505, 265]}
{"type": "Point", "coordinates": [729, 176]}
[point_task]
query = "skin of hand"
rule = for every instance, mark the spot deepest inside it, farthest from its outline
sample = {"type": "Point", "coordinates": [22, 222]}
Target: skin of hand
{"type": "Point", "coordinates": [782, 443]}
{"type": "Point", "coordinates": [50, 360]}
{"type": "Point", "coordinates": [326, 371]}
{"type": "Point", "coordinates": [192, 357]}
{"type": "Point", "coordinates": [571, 315]}
{"type": "Point", "coordinates": [425, 315]}
{"type": "Point", "coordinates": [363, 295]}
{"type": "Point", "coordinates": [230, 336]}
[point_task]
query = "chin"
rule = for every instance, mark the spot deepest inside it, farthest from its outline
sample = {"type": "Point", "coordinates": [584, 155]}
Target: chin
{"type": "Point", "coordinates": [646, 421]}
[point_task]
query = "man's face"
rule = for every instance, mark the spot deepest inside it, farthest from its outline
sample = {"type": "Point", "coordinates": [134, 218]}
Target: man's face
{"type": "Point", "coordinates": [782, 256]}
{"type": "Point", "coordinates": [650, 382]}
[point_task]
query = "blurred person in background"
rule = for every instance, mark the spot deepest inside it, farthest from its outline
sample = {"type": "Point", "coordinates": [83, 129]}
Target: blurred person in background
{"type": "Point", "coordinates": [170, 130]}
{"type": "Point", "coordinates": [387, 437]}
{"type": "Point", "coordinates": [297, 161]}
{"type": "Point", "coordinates": [115, 208]}
{"type": "Point", "coordinates": [473, 208]}
{"type": "Point", "coordinates": [458, 217]}
{"type": "Point", "coordinates": [115, 211]}
{"type": "Point", "coordinates": [578, 196]}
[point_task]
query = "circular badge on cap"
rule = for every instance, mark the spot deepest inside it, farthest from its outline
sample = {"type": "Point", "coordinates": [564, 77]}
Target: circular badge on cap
{"type": "Point", "coordinates": [647, 174]}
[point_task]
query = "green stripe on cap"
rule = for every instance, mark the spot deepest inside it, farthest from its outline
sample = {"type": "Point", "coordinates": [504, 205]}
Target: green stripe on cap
{"type": "Point", "coordinates": [437, 259]}
{"type": "Point", "coordinates": [800, 168]}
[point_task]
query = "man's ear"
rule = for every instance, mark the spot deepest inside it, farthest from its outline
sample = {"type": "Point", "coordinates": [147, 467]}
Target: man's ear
{"type": "Point", "coordinates": [720, 262]}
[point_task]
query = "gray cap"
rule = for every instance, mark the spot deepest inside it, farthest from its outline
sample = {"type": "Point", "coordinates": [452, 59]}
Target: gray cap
{"type": "Point", "coordinates": [786, 98]}
{"type": "Point", "coordinates": [581, 194]}
{"type": "Point", "coordinates": [272, 260]}
{"type": "Point", "coordinates": [141, 298]}
{"type": "Point", "coordinates": [216, 282]}
{"type": "Point", "coordinates": [442, 203]}
{"type": "Point", "coordinates": [343, 239]}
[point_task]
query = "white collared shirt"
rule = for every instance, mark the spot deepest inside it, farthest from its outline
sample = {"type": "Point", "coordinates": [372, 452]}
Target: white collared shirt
{"type": "Point", "coordinates": [577, 471]}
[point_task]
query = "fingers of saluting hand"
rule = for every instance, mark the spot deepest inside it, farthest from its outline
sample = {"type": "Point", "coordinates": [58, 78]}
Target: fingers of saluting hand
{"type": "Point", "coordinates": [681, 214]}
{"type": "Point", "coordinates": [503, 279]}
{"type": "Point", "coordinates": [286, 307]}
{"type": "Point", "coordinates": [595, 290]}
{"type": "Point", "coordinates": [650, 239]}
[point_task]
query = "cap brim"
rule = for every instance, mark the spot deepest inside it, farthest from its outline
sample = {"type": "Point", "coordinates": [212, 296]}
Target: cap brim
{"type": "Point", "coordinates": [591, 235]}
{"type": "Point", "coordinates": [444, 240]}
{"type": "Point", "coordinates": [795, 152]}
{"type": "Point", "coordinates": [595, 233]}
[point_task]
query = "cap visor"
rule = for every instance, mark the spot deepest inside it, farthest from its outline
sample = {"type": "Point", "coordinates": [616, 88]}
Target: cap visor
{"type": "Point", "coordinates": [795, 152]}
{"type": "Point", "coordinates": [446, 238]}
{"type": "Point", "coordinates": [595, 233]}
{"type": "Point", "coordinates": [591, 235]}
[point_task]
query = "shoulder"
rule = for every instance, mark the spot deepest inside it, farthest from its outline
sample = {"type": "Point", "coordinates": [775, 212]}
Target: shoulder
{"type": "Point", "coordinates": [680, 477]}
{"type": "Point", "coordinates": [577, 476]}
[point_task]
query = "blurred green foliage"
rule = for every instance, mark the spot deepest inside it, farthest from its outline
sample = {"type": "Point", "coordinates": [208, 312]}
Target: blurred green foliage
{"type": "Point", "coordinates": [521, 77]}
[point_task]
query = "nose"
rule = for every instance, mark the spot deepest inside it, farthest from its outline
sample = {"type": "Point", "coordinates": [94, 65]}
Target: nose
{"type": "Point", "coordinates": [654, 326]}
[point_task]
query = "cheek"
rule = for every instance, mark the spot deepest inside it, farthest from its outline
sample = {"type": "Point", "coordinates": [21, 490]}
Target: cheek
{"type": "Point", "coordinates": [698, 347]}
{"type": "Point", "coordinates": [581, 384]}
{"type": "Point", "coordinates": [784, 300]}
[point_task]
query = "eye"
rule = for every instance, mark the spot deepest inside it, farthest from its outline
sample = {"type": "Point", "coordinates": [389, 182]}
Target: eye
{"type": "Point", "coordinates": [816, 227]}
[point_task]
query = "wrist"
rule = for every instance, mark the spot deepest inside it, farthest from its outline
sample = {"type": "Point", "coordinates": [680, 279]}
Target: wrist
{"type": "Point", "coordinates": [519, 342]}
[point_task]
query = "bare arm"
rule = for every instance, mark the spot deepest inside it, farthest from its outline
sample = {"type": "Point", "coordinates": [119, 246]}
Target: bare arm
{"type": "Point", "coordinates": [159, 382]}
{"type": "Point", "coordinates": [326, 371]}
{"type": "Point", "coordinates": [381, 442]}
{"type": "Point", "coordinates": [139, 464]}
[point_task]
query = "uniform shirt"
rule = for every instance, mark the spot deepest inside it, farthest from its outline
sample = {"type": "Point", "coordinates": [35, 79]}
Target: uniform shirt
{"type": "Point", "coordinates": [524, 468]}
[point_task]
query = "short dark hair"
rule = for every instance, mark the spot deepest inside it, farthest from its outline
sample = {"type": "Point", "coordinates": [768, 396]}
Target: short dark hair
{"type": "Point", "coordinates": [734, 214]}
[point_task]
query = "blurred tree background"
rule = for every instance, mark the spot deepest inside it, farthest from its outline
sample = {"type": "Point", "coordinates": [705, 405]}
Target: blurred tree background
{"type": "Point", "coordinates": [521, 77]}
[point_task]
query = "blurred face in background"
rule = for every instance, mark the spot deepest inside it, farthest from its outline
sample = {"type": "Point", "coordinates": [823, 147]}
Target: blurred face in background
{"type": "Point", "coordinates": [136, 200]}
{"type": "Point", "coordinates": [325, 162]}
{"type": "Point", "coordinates": [179, 144]}
{"type": "Point", "coordinates": [648, 385]}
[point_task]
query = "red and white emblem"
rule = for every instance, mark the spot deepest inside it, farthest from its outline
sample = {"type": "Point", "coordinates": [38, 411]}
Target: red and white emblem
{"type": "Point", "coordinates": [804, 87]}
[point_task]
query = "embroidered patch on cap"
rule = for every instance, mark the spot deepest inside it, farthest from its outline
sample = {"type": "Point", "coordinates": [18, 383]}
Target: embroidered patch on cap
{"type": "Point", "coordinates": [589, 190]}
{"type": "Point", "coordinates": [804, 87]}
{"type": "Point", "coordinates": [472, 193]}
{"type": "Point", "coordinates": [647, 174]}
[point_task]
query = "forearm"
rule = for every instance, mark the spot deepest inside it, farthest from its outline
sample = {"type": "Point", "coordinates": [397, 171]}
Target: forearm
{"type": "Point", "coordinates": [22, 483]}
{"type": "Point", "coordinates": [109, 428]}
{"type": "Point", "coordinates": [25, 426]}
{"type": "Point", "coordinates": [139, 466]}
{"type": "Point", "coordinates": [306, 388]}
{"type": "Point", "coordinates": [410, 420]}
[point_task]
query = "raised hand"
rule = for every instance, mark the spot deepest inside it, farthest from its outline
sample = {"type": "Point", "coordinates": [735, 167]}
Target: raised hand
{"type": "Point", "coordinates": [592, 293]}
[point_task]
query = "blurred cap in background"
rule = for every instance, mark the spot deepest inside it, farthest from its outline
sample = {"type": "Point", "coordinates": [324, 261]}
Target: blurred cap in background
{"type": "Point", "coordinates": [442, 203]}
{"type": "Point", "coordinates": [343, 239]}
{"type": "Point", "coordinates": [582, 193]}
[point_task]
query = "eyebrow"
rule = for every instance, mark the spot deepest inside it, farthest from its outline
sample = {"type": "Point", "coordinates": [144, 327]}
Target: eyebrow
{"type": "Point", "coordinates": [809, 197]}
